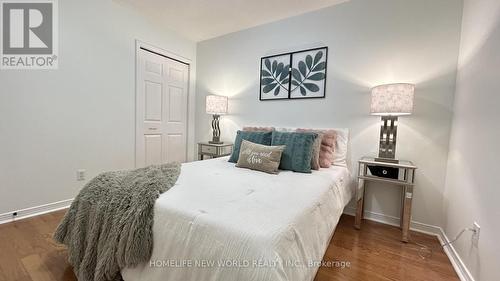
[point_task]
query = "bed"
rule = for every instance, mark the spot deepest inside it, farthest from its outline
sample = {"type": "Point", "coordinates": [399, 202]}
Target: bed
{"type": "Point", "coordinates": [220, 223]}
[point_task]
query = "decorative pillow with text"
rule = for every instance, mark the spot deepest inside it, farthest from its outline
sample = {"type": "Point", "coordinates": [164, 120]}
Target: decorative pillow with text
{"type": "Point", "coordinates": [260, 157]}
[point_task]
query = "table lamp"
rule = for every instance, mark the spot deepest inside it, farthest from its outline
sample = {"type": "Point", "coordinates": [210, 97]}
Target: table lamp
{"type": "Point", "coordinates": [390, 101]}
{"type": "Point", "coordinates": [216, 105]}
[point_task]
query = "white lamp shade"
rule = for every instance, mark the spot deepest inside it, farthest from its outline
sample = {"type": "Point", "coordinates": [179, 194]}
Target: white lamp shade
{"type": "Point", "coordinates": [393, 99]}
{"type": "Point", "coordinates": [216, 104]}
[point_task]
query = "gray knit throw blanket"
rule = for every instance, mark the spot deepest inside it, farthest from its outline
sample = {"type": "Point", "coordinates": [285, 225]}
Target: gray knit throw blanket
{"type": "Point", "coordinates": [109, 225]}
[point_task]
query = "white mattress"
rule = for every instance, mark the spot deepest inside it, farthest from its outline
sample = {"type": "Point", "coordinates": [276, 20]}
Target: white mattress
{"type": "Point", "coordinates": [222, 223]}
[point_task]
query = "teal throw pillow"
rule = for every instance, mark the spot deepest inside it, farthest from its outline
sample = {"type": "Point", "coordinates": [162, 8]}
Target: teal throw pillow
{"type": "Point", "coordinates": [298, 152]}
{"type": "Point", "coordinates": [263, 138]}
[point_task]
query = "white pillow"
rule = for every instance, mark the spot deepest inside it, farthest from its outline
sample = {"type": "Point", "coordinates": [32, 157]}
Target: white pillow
{"type": "Point", "coordinates": [341, 143]}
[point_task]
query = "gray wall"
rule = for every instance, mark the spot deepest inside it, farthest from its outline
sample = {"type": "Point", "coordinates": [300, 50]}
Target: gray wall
{"type": "Point", "coordinates": [472, 189]}
{"type": "Point", "coordinates": [370, 42]}
{"type": "Point", "coordinates": [81, 116]}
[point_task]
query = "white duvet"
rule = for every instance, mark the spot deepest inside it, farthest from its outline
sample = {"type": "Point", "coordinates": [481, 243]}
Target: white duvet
{"type": "Point", "coordinates": [222, 223]}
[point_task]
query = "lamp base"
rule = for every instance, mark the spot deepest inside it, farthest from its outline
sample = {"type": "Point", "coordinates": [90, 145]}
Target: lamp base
{"type": "Point", "coordinates": [388, 135]}
{"type": "Point", "coordinates": [387, 160]}
{"type": "Point", "coordinates": [215, 130]}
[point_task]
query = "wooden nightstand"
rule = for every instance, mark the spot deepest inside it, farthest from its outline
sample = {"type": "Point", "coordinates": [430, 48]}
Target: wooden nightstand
{"type": "Point", "coordinates": [214, 150]}
{"type": "Point", "coordinates": [403, 175]}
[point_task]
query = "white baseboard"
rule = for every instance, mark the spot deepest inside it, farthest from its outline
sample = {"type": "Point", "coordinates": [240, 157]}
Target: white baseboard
{"type": "Point", "coordinates": [394, 221]}
{"type": "Point", "coordinates": [457, 263]}
{"type": "Point", "coordinates": [34, 211]}
{"type": "Point", "coordinates": [455, 259]}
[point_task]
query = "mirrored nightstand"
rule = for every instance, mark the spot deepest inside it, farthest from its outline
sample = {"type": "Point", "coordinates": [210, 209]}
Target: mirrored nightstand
{"type": "Point", "coordinates": [214, 150]}
{"type": "Point", "coordinates": [402, 174]}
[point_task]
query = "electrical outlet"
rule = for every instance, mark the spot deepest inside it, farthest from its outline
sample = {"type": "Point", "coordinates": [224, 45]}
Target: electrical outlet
{"type": "Point", "coordinates": [80, 175]}
{"type": "Point", "coordinates": [475, 235]}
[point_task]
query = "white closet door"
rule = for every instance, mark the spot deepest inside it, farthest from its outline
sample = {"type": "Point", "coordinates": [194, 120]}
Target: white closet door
{"type": "Point", "coordinates": [161, 110]}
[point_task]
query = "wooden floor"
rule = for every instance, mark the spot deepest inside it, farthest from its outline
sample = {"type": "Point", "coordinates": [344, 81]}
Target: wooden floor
{"type": "Point", "coordinates": [376, 253]}
{"type": "Point", "coordinates": [27, 253]}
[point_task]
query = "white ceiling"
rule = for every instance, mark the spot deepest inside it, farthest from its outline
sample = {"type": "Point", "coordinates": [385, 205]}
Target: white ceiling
{"type": "Point", "coordinates": [204, 19]}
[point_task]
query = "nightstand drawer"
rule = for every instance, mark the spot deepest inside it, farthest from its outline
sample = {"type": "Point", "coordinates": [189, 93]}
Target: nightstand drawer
{"type": "Point", "coordinates": [209, 149]}
{"type": "Point", "coordinates": [384, 171]}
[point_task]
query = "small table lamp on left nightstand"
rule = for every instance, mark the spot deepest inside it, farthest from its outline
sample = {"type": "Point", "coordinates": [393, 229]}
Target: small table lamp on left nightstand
{"type": "Point", "coordinates": [216, 105]}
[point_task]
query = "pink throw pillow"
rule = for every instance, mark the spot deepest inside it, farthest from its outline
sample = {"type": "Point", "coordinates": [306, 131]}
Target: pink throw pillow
{"type": "Point", "coordinates": [327, 146]}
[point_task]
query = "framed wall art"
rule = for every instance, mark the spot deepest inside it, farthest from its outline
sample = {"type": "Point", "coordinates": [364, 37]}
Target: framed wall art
{"type": "Point", "coordinates": [275, 77]}
{"type": "Point", "coordinates": [295, 75]}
